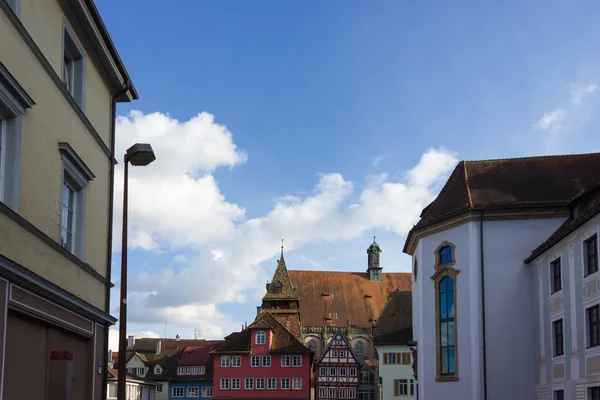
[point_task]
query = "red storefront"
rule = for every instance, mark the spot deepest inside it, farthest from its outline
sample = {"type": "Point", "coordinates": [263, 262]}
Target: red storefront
{"type": "Point", "coordinates": [264, 361]}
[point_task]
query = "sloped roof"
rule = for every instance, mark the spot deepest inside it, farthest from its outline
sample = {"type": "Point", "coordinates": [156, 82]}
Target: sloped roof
{"type": "Point", "coordinates": [290, 319]}
{"type": "Point", "coordinates": [394, 325]}
{"type": "Point", "coordinates": [169, 366]}
{"type": "Point", "coordinates": [588, 206]}
{"type": "Point", "coordinates": [281, 278]}
{"type": "Point", "coordinates": [194, 356]}
{"type": "Point", "coordinates": [145, 348]}
{"type": "Point", "coordinates": [113, 375]}
{"type": "Point", "coordinates": [345, 297]}
{"type": "Point", "coordinates": [358, 360]}
{"type": "Point", "coordinates": [260, 324]}
{"type": "Point", "coordinates": [513, 183]}
{"type": "Point", "coordinates": [283, 341]}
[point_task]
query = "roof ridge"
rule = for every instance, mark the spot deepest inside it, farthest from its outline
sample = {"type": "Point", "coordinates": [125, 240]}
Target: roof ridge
{"type": "Point", "coordinates": [469, 197]}
{"type": "Point", "coordinates": [531, 157]}
{"type": "Point", "coordinates": [345, 272]}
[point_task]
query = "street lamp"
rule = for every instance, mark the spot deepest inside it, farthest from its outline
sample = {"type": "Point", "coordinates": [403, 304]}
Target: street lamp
{"type": "Point", "coordinates": [140, 154]}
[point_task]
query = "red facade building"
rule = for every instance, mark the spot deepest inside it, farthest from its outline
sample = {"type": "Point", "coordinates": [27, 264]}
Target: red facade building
{"type": "Point", "coordinates": [264, 361]}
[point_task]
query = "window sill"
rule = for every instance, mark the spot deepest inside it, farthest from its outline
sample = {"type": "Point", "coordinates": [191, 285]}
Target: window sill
{"type": "Point", "coordinates": [446, 379]}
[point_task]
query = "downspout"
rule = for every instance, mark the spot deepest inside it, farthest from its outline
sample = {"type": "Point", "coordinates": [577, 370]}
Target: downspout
{"type": "Point", "coordinates": [113, 116]}
{"type": "Point", "coordinates": [483, 307]}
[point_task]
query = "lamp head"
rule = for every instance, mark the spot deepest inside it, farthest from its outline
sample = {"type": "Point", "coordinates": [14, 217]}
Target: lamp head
{"type": "Point", "coordinates": [140, 154]}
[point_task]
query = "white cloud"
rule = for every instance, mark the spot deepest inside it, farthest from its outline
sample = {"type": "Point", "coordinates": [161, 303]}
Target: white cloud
{"type": "Point", "coordinates": [113, 337]}
{"type": "Point", "coordinates": [176, 204]}
{"type": "Point", "coordinates": [377, 160]}
{"type": "Point", "coordinates": [551, 120]}
{"type": "Point", "coordinates": [579, 91]}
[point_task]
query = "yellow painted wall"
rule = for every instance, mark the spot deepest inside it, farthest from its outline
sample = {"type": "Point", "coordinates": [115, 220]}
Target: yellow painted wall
{"type": "Point", "coordinates": [44, 21]}
{"type": "Point", "coordinates": [50, 121]}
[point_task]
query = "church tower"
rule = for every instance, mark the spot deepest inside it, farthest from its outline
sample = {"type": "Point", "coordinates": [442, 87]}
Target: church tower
{"type": "Point", "coordinates": [281, 299]}
{"type": "Point", "coordinates": [374, 262]}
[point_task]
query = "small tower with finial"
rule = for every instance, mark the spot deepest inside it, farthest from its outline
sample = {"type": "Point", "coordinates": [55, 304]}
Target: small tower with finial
{"type": "Point", "coordinates": [374, 262]}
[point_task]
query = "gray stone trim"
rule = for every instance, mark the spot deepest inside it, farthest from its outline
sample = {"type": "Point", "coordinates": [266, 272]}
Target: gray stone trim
{"type": "Point", "coordinates": [28, 226]}
{"type": "Point", "coordinates": [23, 100]}
{"type": "Point", "coordinates": [68, 153]}
{"type": "Point", "coordinates": [31, 281]}
{"type": "Point", "coordinates": [71, 47]}
{"type": "Point", "coordinates": [55, 78]}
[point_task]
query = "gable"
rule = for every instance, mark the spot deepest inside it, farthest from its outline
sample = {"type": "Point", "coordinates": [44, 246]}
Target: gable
{"type": "Point", "coordinates": [135, 362]}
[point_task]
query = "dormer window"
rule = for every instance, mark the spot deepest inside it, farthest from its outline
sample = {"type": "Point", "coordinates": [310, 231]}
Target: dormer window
{"type": "Point", "coordinates": [261, 337]}
{"type": "Point", "coordinates": [278, 288]}
{"type": "Point", "coordinates": [157, 370]}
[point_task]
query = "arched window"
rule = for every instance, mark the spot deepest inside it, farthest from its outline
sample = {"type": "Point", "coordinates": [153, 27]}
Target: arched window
{"type": "Point", "coordinates": [260, 337]}
{"type": "Point", "coordinates": [360, 350]}
{"type": "Point", "coordinates": [445, 255]}
{"type": "Point", "coordinates": [447, 327]}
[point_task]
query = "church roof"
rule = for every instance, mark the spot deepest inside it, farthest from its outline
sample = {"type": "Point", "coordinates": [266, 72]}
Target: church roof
{"type": "Point", "coordinates": [394, 325]}
{"type": "Point", "coordinates": [281, 278]}
{"type": "Point", "coordinates": [513, 183]}
{"type": "Point", "coordinates": [342, 298]}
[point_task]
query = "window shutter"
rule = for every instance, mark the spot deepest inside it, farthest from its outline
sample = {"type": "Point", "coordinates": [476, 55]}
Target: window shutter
{"type": "Point", "coordinates": [385, 358]}
{"type": "Point", "coordinates": [396, 387]}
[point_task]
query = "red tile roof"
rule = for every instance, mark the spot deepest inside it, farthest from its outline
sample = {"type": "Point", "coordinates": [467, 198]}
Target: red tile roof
{"type": "Point", "coordinates": [342, 298]}
{"type": "Point", "coordinates": [505, 184]}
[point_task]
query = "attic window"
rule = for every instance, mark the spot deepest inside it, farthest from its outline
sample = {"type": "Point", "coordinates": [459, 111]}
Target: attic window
{"type": "Point", "coordinates": [278, 288]}
{"type": "Point", "coordinates": [368, 296]}
{"type": "Point", "coordinates": [157, 370]}
{"type": "Point", "coordinates": [260, 337]}
{"type": "Point", "coordinates": [324, 294]}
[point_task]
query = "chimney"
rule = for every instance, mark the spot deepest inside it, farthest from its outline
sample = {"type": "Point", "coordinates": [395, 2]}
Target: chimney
{"type": "Point", "coordinates": [177, 338]}
{"type": "Point", "coordinates": [130, 341]}
{"type": "Point", "coordinates": [110, 359]}
{"type": "Point", "coordinates": [158, 346]}
{"type": "Point", "coordinates": [258, 311]}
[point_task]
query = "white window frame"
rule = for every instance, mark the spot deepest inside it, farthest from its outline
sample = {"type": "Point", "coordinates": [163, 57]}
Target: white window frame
{"type": "Point", "coordinates": [342, 393]}
{"type": "Point", "coordinates": [201, 370]}
{"type": "Point", "coordinates": [335, 353]}
{"type": "Point", "coordinates": [13, 103]}
{"type": "Point", "coordinates": [260, 384]}
{"type": "Point", "coordinates": [261, 337]}
{"type": "Point", "coordinates": [331, 393]}
{"type": "Point", "coordinates": [207, 392]}
{"type": "Point", "coordinates": [157, 369]}
{"type": "Point", "coordinates": [343, 371]}
{"type": "Point", "coordinates": [173, 394]}
{"type": "Point", "coordinates": [351, 393]}
{"type": "Point", "coordinates": [254, 361]}
{"type": "Point", "coordinates": [287, 363]}
{"type": "Point", "coordinates": [296, 361]}
{"type": "Point", "coordinates": [322, 393]}
{"type": "Point", "coordinates": [342, 353]}
{"type": "Point", "coordinates": [225, 384]}
{"type": "Point", "coordinates": [140, 371]}
{"type": "Point", "coordinates": [180, 370]}
{"type": "Point", "coordinates": [76, 176]}
{"type": "Point", "coordinates": [188, 370]}
{"type": "Point", "coordinates": [296, 380]}
{"type": "Point", "coordinates": [225, 361]}
{"type": "Point", "coordinates": [195, 370]}
{"type": "Point", "coordinates": [235, 384]}
{"type": "Point", "coordinates": [271, 383]}
{"type": "Point", "coordinates": [189, 389]}
{"type": "Point", "coordinates": [248, 383]}
{"type": "Point", "coordinates": [288, 383]}
{"type": "Point", "coordinates": [73, 56]}
{"type": "Point", "coordinates": [352, 371]}
{"type": "Point", "coordinates": [323, 371]}
{"type": "Point", "coordinates": [332, 371]}
{"type": "Point", "coordinates": [264, 363]}
{"type": "Point", "coordinates": [236, 361]}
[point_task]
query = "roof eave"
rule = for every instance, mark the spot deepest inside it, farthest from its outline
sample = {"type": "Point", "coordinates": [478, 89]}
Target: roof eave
{"type": "Point", "coordinates": [91, 22]}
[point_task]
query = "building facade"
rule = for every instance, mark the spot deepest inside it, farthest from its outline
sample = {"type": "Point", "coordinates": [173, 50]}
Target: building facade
{"type": "Point", "coordinates": [392, 336]}
{"type": "Point", "coordinates": [337, 371]}
{"type": "Point", "coordinates": [568, 290]}
{"type": "Point", "coordinates": [135, 388]}
{"type": "Point", "coordinates": [471, 287]}
{"type": "Point", "coordinates": [60, 77]}
{"type": "Point", "coordinates": [263, 361]}
{"type": "Point", "coordinates": [194, 376]}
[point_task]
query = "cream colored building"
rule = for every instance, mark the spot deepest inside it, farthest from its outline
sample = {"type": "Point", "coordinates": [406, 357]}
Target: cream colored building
{"type": "Point", "coordinates": [60, 76]}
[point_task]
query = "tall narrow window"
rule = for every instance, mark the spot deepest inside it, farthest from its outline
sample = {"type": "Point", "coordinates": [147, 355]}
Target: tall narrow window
{"type": "Point", "coordinates": [447, 343]}
{"type": "Point", "coordinates": [260, 337]}
{"type": "Point", "coordinates": [556, 275]}
{"type": "Point", "coordinates": [76, 176]}
{"type": "Point", "coordinates": [13, 103]}
{"type": "Point", "coordinates": [360, 350]}
{"type": "Point", "coordinates": [73, 67]}
{"type": "Point", "coordinates": [593, 316]}
{"type": "Point", "coordinates": [559, 395]}
{"type": "Point", "coordinates": [591, 254]}
{"type": "Point", "coordinates": [557, 327]}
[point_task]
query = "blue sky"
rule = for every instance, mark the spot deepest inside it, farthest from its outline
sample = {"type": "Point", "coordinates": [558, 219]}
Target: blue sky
{"type": "Point", "coordinates": [333, 103]}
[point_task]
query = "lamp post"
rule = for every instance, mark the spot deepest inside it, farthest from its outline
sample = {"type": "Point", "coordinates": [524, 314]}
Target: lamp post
{"type": "Point", "coordinates": [140, 154]}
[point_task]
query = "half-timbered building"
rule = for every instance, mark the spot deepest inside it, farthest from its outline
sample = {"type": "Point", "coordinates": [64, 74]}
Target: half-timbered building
{"type": "Point", "coordinates": [341, 374]}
